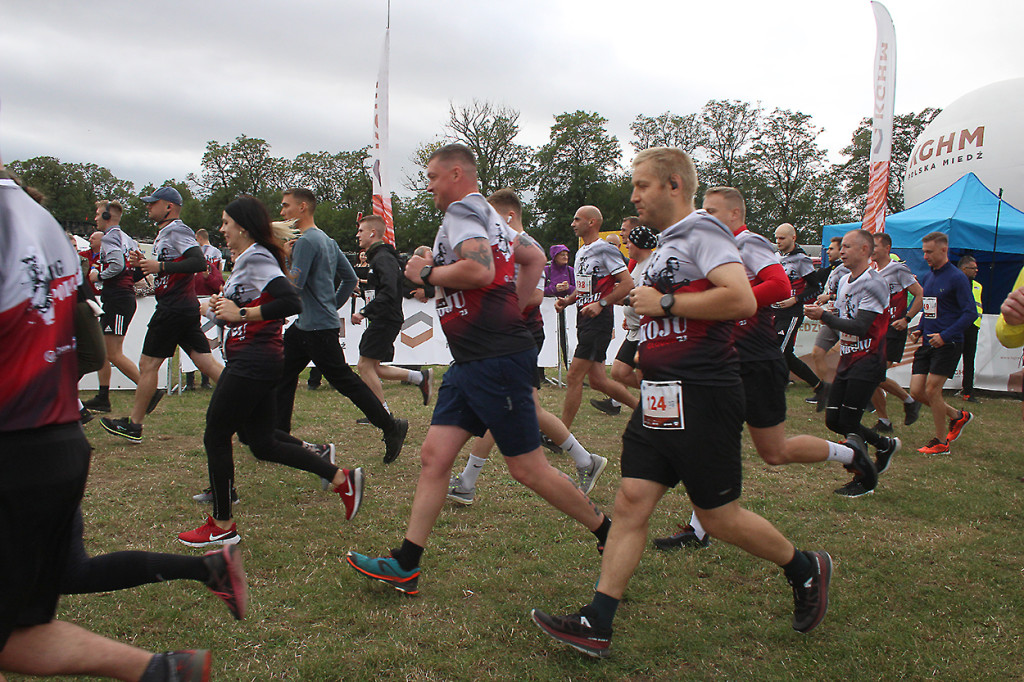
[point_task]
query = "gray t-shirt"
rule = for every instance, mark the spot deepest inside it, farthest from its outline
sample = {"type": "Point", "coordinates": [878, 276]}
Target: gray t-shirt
{"type": "Point", "coordinates": [317, 261]}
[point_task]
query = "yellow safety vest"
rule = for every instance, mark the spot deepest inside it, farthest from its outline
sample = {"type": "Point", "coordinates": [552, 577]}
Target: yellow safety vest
{"type": "Point", "coordinates": [977, 299]}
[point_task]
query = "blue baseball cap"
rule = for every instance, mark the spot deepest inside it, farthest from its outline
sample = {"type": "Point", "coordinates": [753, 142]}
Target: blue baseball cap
{"type": "Point", "coordinates": [164, 194]}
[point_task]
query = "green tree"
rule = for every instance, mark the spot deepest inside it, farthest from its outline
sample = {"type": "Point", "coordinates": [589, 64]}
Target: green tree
{"type": "Point", "coordinates": [416, 221]}
{"type": "Point", "coordinates": [244, 166]}
{"type": "Point", "coordinates": [906, 129]}
{"type": "Point", "coordinates": [667, 130]}
{"type": "Point", "coordinates": [579, 165]}
{"type": "Point", "coordinates": [730, 128]}
{"type": "Point", "coordinates": [784, 158]}
{"type": "Point", "coordinates": [490, 131]}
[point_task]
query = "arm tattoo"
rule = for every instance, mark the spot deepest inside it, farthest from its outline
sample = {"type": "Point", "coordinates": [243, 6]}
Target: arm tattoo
{"type": "Point", "coordinates": [477, 250]}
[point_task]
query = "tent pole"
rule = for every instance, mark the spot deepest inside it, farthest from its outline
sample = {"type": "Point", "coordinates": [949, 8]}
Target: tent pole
{"type": "Point", "coordinates": [995, 239]}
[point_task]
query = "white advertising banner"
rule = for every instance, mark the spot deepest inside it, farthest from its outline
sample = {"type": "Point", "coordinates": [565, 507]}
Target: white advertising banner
{"type": "Point", "coordinates": [422, 342]}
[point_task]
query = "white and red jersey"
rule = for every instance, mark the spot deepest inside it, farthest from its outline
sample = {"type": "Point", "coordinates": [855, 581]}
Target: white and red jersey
{"type": "Point", "coordinates": [485, 322]}
{"type": "Point", "coordinates": [175, 291]}
{"type": "Point", "coordinates": [867, 292]}
{"type": "Point", "coordinates": [531, 314]}
{"type": "Point", "coordinates": [595, 268]}
{"type": "Point", "coordinates": [39, 276]}
{"type": "Point", "coordinates": [252, 347]}
{"type": "Point", "coordinates": [679, 348]}
{"type": "Point", "coordinates": [115, 273]}
{"type": "Point", "coordinates": [797, 265]}
{"type": "Point", "coordinates": [214, 258]}
{"type": "Point", "coordinates": [755, 336]}
{"type": "Point", "coordinates": [898, 278]}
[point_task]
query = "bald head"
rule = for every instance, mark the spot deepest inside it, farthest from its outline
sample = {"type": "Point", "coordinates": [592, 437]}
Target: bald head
{"type": "Point", "coordinates": [586, 223]}
{"type": "Point", "coordinates": [785, 237]}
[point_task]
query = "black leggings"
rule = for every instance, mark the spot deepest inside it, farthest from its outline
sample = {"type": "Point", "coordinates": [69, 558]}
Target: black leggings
{"type": "Point", "coordinates": [246, 406]}
{"type": "Point", "coordinates": [847, 400]}
{"type": "Point", "coordinates": [786, 328]}
{"type": "Point", "coordinates": [120, 570]}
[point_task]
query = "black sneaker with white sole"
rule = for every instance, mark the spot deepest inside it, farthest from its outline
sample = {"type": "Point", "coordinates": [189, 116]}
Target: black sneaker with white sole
{"type": "Point", "coordinates": [861, 466]}
{"type": "Point", "coordinates": [98, 404]}
{"type": "Point", "coordinates": [883, 456]}
{"type": "Point", "coordinates": [911, 411]}
{"type": "Point", "coordinates": [394, 439]}
{"type": "Point", "coordinates": [123, 427]}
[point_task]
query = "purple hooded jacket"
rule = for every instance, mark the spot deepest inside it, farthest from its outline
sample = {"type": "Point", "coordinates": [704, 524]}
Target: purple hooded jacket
{"type": "Point", "coordinates": [555, 274]}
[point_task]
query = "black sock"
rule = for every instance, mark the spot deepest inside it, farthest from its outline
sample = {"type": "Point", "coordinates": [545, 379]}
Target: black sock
{"type": "Point", "coordinates": [799, 569]}
{"type": "Point", "coordinates": [408, 555]}
{"type": "Point", "coordinates": [156, 671]}
{"type": "Point", "coordinates": [603, 609]}
{"type": "Point", "coordinates": [601, 533]}
{"type": "Point", "coordinates": [104, 393]}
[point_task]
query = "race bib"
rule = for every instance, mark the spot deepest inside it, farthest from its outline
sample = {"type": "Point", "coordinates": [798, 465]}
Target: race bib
{"type": "Point", "coordinates": [585, 284]}
{"type": "Point", "coordinates": [930, 306]}
{"type": "Point", "coordinates": [369, 294]}
{"type": "Point", "coordinates": [662, 403]}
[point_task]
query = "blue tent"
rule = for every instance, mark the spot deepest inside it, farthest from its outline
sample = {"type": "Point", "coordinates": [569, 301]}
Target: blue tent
{"type": "Point", "coordinates": [976, 222]}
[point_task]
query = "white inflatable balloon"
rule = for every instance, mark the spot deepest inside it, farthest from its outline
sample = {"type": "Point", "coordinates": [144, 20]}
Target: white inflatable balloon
{"type": "Point", "coordinates": [979, 133]}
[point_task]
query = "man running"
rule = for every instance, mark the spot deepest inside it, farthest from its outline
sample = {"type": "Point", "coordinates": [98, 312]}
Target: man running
{"type": "Point", "coordinates": [489, 386]}
{"type": "Point", "coordinates": [688, 427]}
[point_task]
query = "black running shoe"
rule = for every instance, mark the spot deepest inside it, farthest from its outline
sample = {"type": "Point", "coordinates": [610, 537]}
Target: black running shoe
{"type": "Point", "coordinates": [394, 440]}
{"type": "Point", "coordinates": [911, 411]}
{"type": "Point", "coordinates": [881, 427]}
{"type": "Point", "coordinates": [550, 444]}
{"type": "Point", "coordinates": [85, 416]}
{"type": "Point", "coordinates": [576, 631]}
{"type": "Point", "coordinates": [98, 404]}
{"type": "Point", "coordinates": [155, 400]}
{"type": "Point", "coordinates": [227, 578]}
{"type": "Point", "coordinates": [179, 666]}
{"type": "Point", "coordinates": [427, 385]}
{"type": "Point", "coordinates": [883, 456]}
{"type": "Point", "coordinates": [854, 488]}
{"type": "Point", "coordinates": [810, 599]}
{"type": "Point", "coordinates": [686, 537]}
{"type": "Point", "coordinates": [606, 406]}
{"type": "Point", "coordinates": [123, 427]}
{"type": "Point", "coordinates": [861, 465]}
{"type": "Point", "coordinates": [821, 394]}
{"type": "Point", "coordinates": [328, 453]}
{"type": "Point", "coordinates": [364, 421]}
{"type": "Point", "coordinates": [206, 497]}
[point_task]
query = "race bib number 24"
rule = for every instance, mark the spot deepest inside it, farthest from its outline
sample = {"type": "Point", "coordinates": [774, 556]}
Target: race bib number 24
{"type": "Point", "coordinates": [662, 403]}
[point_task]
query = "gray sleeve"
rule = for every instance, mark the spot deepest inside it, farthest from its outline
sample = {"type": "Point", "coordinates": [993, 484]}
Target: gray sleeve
{"type": "Point", "coordinates": [346, 274]}
{"type": "Point", "coordinates": [302, 261]}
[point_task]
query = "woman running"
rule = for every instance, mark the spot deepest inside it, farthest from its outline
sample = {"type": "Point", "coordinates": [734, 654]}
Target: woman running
{"type": "Point", "coordinates": [255, 300]}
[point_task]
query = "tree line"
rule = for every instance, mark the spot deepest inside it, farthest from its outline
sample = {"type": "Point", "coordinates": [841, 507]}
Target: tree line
{"type": "Point", "coordinates": [773, 157]}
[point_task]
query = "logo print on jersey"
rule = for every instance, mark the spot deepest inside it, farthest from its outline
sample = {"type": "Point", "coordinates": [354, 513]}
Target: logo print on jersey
{"type": "Point", "coordinates": [664, 279]}
{"type": "Point", "coordinates": [41, 297]}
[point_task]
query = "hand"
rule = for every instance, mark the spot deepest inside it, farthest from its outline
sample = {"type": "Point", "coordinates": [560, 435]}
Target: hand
{"type": "Point", "coordinates": [357, 318]}
{"type": "Point", "coordinates": [1013, 307]}
{"type": "Point", "coordinates": [915, 336]}
{"type": "Point", "coordinates": [788, 303]}
{"type": "Point", "coordinates": [134, 257]}
{"type": "Point", "coordinates": [415, 265]}
{"type": "Point", "coordinates": [420, 295]}
{"type": "Point", "coordinates": [647, 301]}
{"type": "Point", "coordinates": [149, 266]}
{"type": "Point", "coordinates": [288, 248]}
{"type": "Point", "coordinates": [562, 286]}
{"type": "Point", "coordinates": [813, 311]}
{"type": "Point", "coordinates": [94, 276]}
{"type": "Point", "coordinates": [900, 324]}
{"type": "Point", "coordinates": [560, 304]}
{"type": "Point", "coordinates": [936, 341]}
{"type": "Point", "coordinates": [822, 299]}
{"type": "Point", "coordinates": [226, 309]}
{"type": "Point", "coordinates": [591, 309]}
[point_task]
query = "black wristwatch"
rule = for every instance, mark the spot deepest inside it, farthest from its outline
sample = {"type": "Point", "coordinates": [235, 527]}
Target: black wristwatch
{"type": "Point", "coordinates": [425, 273]}
{"type": "Point", "coordinates": [242, 312]}
{"type": "Point", "coordinates": [667, 301]}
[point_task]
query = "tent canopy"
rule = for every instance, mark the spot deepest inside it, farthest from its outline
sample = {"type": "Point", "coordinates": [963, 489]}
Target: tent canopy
{"type": "Point", "coordinates": [976, 222]}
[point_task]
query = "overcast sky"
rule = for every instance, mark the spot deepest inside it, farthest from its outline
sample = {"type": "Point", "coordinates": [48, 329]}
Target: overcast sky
{"type": "Point", "coordinates": [140, 87]}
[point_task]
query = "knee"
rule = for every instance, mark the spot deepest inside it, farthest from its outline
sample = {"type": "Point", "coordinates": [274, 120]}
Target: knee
{"type": "Point", "coordinates": [833, 421]}
{"type": "Point", "coordinates": [774, 456]}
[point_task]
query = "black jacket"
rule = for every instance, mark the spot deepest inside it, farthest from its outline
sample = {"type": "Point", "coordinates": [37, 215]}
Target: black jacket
{"type": "Point", "coordinates": [384, 281]}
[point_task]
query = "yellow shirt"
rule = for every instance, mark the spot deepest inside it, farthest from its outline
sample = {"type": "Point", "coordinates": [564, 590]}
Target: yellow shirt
{"type": "Point", "coordinates": [1011, 336]}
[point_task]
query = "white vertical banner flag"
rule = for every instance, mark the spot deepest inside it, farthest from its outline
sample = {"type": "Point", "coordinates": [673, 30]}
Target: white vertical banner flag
{"type": "Point", "coordinates": [381, 182]}
{"type": "Point", "coordinates": [881, 120]}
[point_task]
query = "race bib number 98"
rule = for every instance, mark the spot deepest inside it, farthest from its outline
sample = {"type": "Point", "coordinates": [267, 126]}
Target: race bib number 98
{"type": "Point", "coordinates": [662, 403]}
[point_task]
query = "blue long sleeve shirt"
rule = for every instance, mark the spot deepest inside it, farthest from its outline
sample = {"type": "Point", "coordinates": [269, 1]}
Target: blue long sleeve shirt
{"type": "Point", "coordinates": [949, 305]}
{"type": "Point", "coordinates": [324, 277]}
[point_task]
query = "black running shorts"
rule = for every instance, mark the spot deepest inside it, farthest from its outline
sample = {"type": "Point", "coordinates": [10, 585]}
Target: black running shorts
{"type": "Point", "coordinates": [169, 329]}
{"type": "Point", "coordinates": [117, 315]}
{"type": "Point", "coordinates": [895, 344]}
{"type": "Point", "coordinates": [592, 344]}
{"type": "Point", "coordinates": [705, 455]}
{"type": "Point", "coordinates": [941, 361]}
{"type": "Point", "coordinates": [627, 352]}
{"type": "Point", "coordinates": [764, 389]}
{"type": "Point", "coordinates": [42, 477]}
{"type": "Point", "coordinates": [378, 341]}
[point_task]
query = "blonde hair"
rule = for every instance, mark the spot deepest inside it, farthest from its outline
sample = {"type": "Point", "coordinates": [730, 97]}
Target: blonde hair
{"type": "Point", "coordinates": [283, 230]}
{"type": "Point", "coordinates": [669, 161]}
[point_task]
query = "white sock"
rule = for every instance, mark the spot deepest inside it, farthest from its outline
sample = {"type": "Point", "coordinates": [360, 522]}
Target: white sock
{"type": "Point", "coordinates": [909, 400]}
{"type": "Point", "coordinates": [472, 470]}
{"type": "Point", "coordinates": [415, 377]}
{"type": "Point", "coordinates": [885, 421]}
{"type": "Point", "coordinates": [840, 453]}
{"type": "Point", "coordinates": [385, 404]}
{"type": "Point", "coordinates": [614, 402]}
{"type": "Point", "coordinates": [698, 529]}
{"type": "Point", "coordinates": [579, 454]}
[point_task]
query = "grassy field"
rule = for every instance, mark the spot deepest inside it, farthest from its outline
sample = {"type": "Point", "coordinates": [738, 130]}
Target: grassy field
{"type": "Point", "coordinates": [928, 570]}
